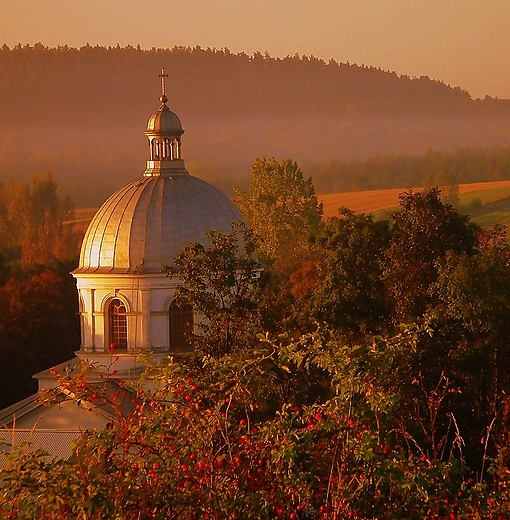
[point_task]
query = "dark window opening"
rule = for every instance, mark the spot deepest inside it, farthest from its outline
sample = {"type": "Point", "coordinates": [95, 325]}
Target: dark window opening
{"type": "Point", "coordinates": [181, 327]}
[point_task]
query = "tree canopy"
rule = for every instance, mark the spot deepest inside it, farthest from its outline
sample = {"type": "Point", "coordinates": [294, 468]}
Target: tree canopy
{"type": "Point", "coordinates": [221, 283]}
{"type": "Point", "coordinates": [39, 323]}
{"type": "Point", "coordinates": [424, 230]}
{"type": "Point", "coordinates": [282, 209]}
{"type": "Point", "coordinates": [33, 226]}
{"type": "Point", "coordinates": [382, 391]}
{"type": "Point", "coordinates": [350, 293]}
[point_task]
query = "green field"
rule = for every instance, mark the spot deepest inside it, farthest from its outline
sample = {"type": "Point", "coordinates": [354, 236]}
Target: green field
{"type": "Point", "coordinates": [485, 207]}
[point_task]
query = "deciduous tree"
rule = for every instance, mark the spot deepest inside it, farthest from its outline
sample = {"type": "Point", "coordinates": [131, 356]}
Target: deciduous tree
{"type": "Point", "coordinates": [423, 231]}
{"type": "Point", "coordinates": [447, 184]}
{"type": "Point", "coordinates": [282, 209]}
{"type": "Point", "coordinates": [221, 283]}
{"type": "Point", "coordinates": [474, 300]}
{"type": "Point", "coordinates": [350, 295]}
{"type": "Point", "coordinates": [32, 222]}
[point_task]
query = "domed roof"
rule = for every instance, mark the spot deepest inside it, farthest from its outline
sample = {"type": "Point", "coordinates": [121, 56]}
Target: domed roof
{"type": "Point", "coordinates": [144, 225]}
{"type": "Point", "coordinates": [164, 121]}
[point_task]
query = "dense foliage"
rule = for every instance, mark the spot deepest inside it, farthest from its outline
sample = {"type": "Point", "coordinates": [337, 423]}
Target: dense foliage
{"type": "Point", "coordinates": [347, 290]}
{"type": "Point", "coordinates": [381, 391]}
{"type": "Point", "coordinates": [434, 268]}
{"type": "Point", "coordinates": [39, 323]}
{"type": "Point", "coordinates": [283, 211]}
{"type": "Point", "coordinates": [295, 429]}
{"type": "Point", "coordinates": [39, 326]}
{"type": "Point", "coordinates": [286, 86]}
{"type": "Point", "coordinates": [33, 228]}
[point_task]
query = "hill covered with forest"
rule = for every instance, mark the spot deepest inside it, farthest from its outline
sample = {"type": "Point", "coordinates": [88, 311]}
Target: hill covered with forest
{"type": "Point", "coordinates": [81, 113]}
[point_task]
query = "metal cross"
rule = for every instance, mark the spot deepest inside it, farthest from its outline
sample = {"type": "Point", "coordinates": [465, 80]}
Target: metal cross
{"type": "Point", "coordinates": [163, 83]}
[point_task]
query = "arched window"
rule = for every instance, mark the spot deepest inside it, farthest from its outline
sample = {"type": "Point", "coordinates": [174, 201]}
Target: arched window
{"type": "Point", "coordinates": [117, 324]}
{"type": "Point", "coordinates": [181, 326]}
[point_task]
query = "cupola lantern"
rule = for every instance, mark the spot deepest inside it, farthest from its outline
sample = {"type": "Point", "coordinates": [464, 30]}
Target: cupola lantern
{"type": "Point", "coordinates": [164, 133]}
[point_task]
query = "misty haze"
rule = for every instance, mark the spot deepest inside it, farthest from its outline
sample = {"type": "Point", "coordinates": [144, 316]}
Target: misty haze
{"type": "Point", "coordinates": [80, 113]}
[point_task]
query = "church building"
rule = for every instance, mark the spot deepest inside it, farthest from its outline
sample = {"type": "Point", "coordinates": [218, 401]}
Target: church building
{"type": "Point", "coordinates": [126, 300]}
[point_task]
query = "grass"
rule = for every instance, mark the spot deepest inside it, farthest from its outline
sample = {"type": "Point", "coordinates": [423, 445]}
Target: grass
{"type": "Point", "coordinates": [492, 212]}
{"type": "Point", "coordinates": [82, 218]}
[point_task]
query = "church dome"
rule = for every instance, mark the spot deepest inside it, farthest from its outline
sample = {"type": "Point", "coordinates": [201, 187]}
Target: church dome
{"type": "Point", "coordinates": [143, 226]}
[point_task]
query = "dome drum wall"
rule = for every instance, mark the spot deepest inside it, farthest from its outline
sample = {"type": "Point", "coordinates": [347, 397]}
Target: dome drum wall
{"type": "Point", "coordinates": [146, 298]}
{"type": "Point", "coordinates": [164, 167]}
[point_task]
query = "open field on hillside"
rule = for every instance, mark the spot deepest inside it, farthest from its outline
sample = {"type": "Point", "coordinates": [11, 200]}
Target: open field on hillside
{"type": "Point", "coordinates": [84, 213]}
{"type": "Point", "coordinates": [376, 200]}
{"type": "Point", "coordinates": [487, 203]}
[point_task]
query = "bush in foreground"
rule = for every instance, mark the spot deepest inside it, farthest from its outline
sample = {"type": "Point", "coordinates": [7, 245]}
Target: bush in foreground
{"type": "Point", "coordinates": [301, 429]}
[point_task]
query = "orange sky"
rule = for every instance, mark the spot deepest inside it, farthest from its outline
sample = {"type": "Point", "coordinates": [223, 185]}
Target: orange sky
{"type": "Point", "coordinates": [465, 43]}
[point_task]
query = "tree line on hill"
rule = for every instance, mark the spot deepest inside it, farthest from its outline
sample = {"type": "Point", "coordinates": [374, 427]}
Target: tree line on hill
{"type": "Point", "coordinates": [239, 83]}
{"type": "Point", "coordinates": [466, 164]}
{"type": "Point", "coordinates": [364, 373]}
{"type": "Point", "coordinates": [84, 110]}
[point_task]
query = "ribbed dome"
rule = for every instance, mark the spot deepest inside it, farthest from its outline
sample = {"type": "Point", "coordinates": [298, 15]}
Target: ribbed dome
{"type": "Point", "coordinates": [165, 121]}
{"type": "Point", "coordinates": [144, 225]}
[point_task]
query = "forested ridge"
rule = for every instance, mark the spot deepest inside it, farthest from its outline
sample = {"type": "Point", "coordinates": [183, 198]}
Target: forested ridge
{"type": "Point", "coordinates": [397, 170]}
{"type": "Point", "coordinates": [81, 113]}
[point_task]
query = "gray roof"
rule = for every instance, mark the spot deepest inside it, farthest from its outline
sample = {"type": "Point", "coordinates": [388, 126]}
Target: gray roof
{"type": "Point", "coordinates": [53, 428]}
{"type": "Point", "coordinates": [144, 225]}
